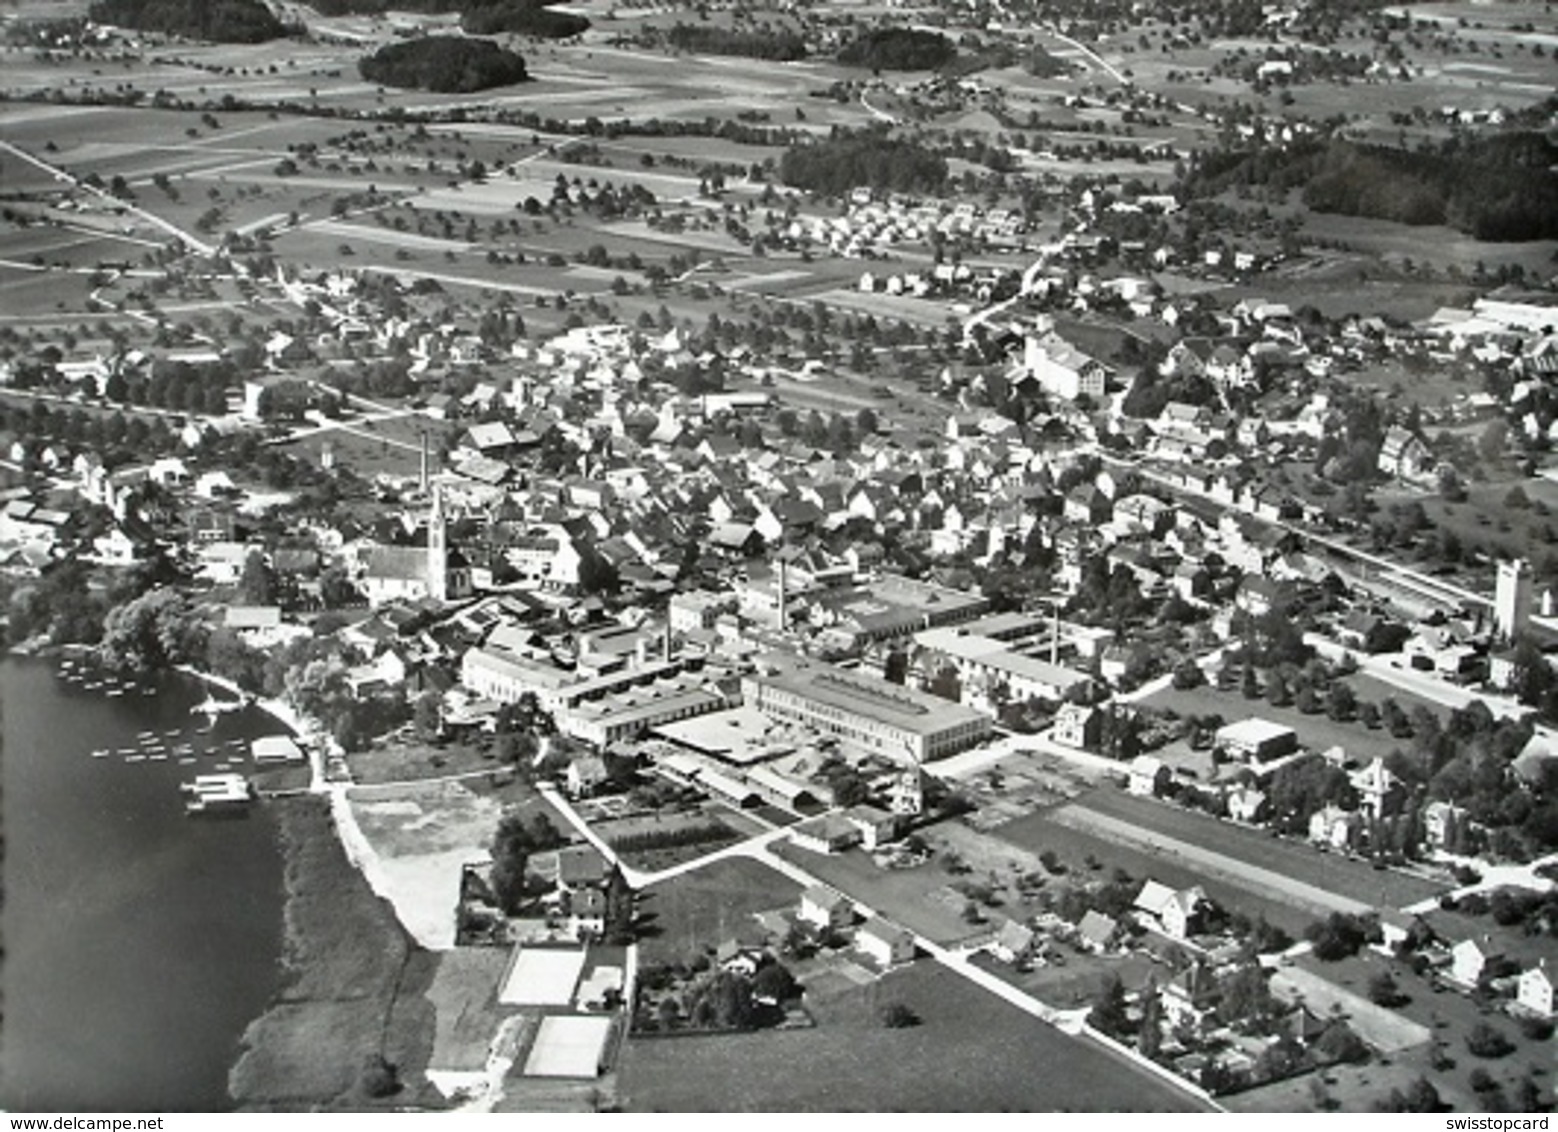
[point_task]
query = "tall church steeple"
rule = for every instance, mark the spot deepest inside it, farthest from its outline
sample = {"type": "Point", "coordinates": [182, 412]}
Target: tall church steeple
{"type": "Point", "coordinates": [438, 549]}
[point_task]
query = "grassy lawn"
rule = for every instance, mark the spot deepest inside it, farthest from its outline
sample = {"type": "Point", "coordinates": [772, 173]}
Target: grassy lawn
{"type": "Point", "coordinates": [698, 910]}
{"type": "Point", "coordinates": [1289, 858]}
{"type": "Point", "coordinates": [1076, 983]}
{"type": "Point", "coordinates": [354, 985]}
{"type": "Point", "coordinates": [464, 997]}
{"type": "Point", "coordinates": [1038, 832]}
{"type": "Point", "coordinates": [972, 1052]}
{"type": "Point", "coordinates": [1318, 732]}
{"type": "Point", "coordinates": [919, 898]}
{"type": "Point", "coordinates": [413, 761]}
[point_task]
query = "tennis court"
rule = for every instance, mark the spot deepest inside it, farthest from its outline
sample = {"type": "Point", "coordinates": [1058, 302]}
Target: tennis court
{"type": "Point", "coordinates": [542, 976]}
{"type": "Point", "coordinates": [568, 1045]}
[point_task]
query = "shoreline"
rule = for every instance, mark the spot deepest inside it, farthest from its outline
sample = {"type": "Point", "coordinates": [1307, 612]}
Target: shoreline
{"type": "Point", "coordinates": [351, 985]}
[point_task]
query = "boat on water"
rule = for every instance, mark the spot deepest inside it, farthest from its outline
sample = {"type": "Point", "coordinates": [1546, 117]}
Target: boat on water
{"type": "Point", "coordinates": [186, 760]}
{"type": "Point", "coordinates": [101, 753]}
{"type": "Point", "coordinates": [128, 751]}
{"type": "Point", "coordinates": [217, 793]}
{"type": "Point", "coordinates": [135, 758]}
{"type": "Point", "coordinates": [158, 758]}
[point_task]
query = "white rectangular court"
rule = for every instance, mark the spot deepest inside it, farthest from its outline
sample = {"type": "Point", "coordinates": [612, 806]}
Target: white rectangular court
{"type": "Point", "coordinates": [568, 1045]}
{"type": "Point", "coordinates": [542, 976]}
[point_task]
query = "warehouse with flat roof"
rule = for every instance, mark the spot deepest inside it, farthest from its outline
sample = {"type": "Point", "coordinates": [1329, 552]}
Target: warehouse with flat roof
{"type": "Point", "coordinates": [867, 714]}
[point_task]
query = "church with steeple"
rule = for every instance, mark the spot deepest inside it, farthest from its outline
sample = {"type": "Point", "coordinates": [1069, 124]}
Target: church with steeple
{"type": "Point", "coordinates": [411, 573]}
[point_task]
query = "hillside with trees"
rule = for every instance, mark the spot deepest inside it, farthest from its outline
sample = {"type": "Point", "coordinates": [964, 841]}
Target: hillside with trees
{"type": "Point", "coordinates": [898, 49]}
{"type": "Point", "coordinates": [522, 17]}
{"type": "Point", "coordinates": [1499, 188]}
{"type": "Point", "coordinates": [219, 21]}
{"type": "Point", "coordinates": [769, 43]}
{"type": "Point", "coordinates": [872, 159]}
{"type": "Point", "coordinates": [444, 64]}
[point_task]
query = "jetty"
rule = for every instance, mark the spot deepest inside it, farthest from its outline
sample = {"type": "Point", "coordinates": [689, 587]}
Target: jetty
{"type": "Point", "coordinates": [217, 793]}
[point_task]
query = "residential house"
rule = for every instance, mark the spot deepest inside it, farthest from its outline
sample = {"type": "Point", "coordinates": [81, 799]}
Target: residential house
{"type": "Point", "coordinates": [1335, 828]}
{"type": "Point", "coordinates": [1077, 726]}
{"type": "Point", "coordinates": [824, 908]}
{"type": "Point", "coordinates": [1536, 992]}
{"type": "Point", "coordinates": [876, 826]}
{"type": "Point", "coordinates": [1190, 998]}
{"type": "Point", "coordinates": [1013, 943]}
{"type": "Point", "coordinates": [1097, 931]}
{"type": "Point", "coordinates": [826, 833]}
{"type": "Point", "coordinates": [1379, 791]}
{"type": "Point", "coordinates": [586, 775]}
{"type": "Point", "coordinates": [885, 944]}
{"type": "Point", "coordinates": [1470, 960]}
{"type": "Point", "coordinates": [1147, 776]}
{"type": "Point", "coordinates": [1403, 455]}
{"type": "Point", "coordinates": [1246, 804]}
{"type": "Point", "coordinates": [1178, 914]}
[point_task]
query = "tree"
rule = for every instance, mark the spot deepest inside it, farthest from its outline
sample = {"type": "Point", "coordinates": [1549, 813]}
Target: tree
{"type": "Point", "coordinates": [898, 1016]}
{"type": "Point", "coordinates": [1149, 1035]}
{"type": "Point", "coordinates": [512, 845]}
{"type": "Point", "coordinates": [1485, 1041]}
{"type": "Point", "coordinates": [774, 981]}
{"type": "Point", "coordinates": [1247, 999]}
{"type": "Point", "coordinates": [427, 716]}
{"type": "Point", "coordinates": [379, 1078]}
{"type": "Point", "coordinates": [257, 583]}
{"type": "Point", "coordinates": [1420, 1096]}
{"type": "Point", "coordinates": [1384, 991]}
{"type": "Point", "coordinates": [153, 632]}
{"type": "Point", "coordinates": [1339, 935]}
{"type": "Point", "coordinates": [1338, 1043]}
{"type": "Point", "coordinates": [1108, 1015]}
{"type": "Point", "coordinates": [619, 909]}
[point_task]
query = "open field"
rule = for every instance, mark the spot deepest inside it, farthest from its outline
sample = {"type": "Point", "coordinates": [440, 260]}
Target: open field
{"type": "Point", "coordinates": [921, 899]}
{"type": "Point", "coordinates": [1038, 832]}
{"type": "Point", "coordinates": [701, 909]}
{"type": "Point", "coordinates": [463, 994]}
{"type": "Point", "coordinates": [1318, 732]}
{"type": "Point", "coordinates": [1327, 871]}
{"type": "Point", "coordinates": [972, 1053]}
{"type": "Point", "coordinates": [356, 986]}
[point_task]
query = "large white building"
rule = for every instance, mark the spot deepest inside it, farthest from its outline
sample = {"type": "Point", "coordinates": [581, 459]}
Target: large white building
{"type": "Point", "coordinates": [867, 714]}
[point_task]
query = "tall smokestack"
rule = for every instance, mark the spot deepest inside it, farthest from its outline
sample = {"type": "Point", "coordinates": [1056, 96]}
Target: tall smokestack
{"type": "Point", "coordinates": [425, 461]}
{"type": "Point", "coordinates": [782, 597]}
{"type": "Point", "coordinates": [1054, 633]}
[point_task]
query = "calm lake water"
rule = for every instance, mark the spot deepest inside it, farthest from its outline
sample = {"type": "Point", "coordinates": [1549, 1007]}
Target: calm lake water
{"type": "Point", "coordinates": [138, 942]}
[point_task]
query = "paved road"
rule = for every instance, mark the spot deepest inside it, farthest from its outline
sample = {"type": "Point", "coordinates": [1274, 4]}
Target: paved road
{"type": "Point", "coordinates": [156, 221]}
{"type": "Point", "coordinates": [1388, 669]}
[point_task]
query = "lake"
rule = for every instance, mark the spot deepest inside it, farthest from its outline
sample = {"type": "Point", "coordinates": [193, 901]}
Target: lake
{"type": "Point", "coordinates": [139, 942]}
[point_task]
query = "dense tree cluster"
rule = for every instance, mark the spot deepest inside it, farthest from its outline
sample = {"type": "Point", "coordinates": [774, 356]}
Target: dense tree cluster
{"type": "Point", "coordinates": [850, 160]}
{"type": "Point", "coordinates": [899, 49]}
{"type": "Point", "coordinates": [764, 43]}
{"type": "Point", "coordinates": [1498, 188]}
{"type": "Point", "coordinates": [522, 17]}
{"type": "Point", "coordinates": [512, 845]}
{"type": "Point", "coordinates": [444, 64]}
{"type": "Point", "coordinates": [221, 21]}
